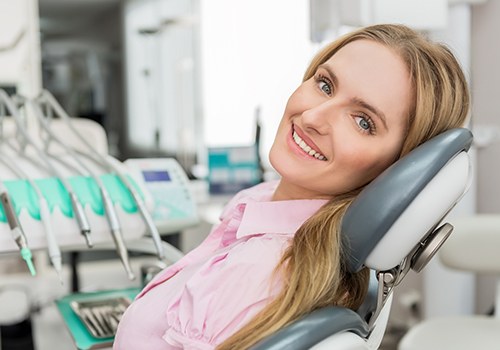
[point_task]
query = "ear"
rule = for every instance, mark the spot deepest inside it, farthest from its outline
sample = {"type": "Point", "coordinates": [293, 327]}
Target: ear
{"type": "Point", "coordinates": [402, 205]}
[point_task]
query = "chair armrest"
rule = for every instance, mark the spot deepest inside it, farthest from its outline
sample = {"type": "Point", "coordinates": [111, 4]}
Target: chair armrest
{"type": "Point", "coordinates": [474, 244]}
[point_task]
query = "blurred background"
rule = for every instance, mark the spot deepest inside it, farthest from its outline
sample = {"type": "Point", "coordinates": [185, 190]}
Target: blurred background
{"type": "Point", "coordinates": [185, 79]}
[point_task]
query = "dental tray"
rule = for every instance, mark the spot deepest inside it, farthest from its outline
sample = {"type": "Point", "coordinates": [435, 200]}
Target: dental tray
{"type": "Point", "coordinates": [101, 316]}
{"type": "Point", "coordinates": [75, 308]}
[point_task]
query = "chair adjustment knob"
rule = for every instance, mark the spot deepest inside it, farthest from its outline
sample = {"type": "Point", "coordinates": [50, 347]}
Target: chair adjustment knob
{"type": "Point", "coordinates": [430, 246]}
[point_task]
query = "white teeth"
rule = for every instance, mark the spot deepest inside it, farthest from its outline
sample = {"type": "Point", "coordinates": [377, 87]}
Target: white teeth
{"type": "Point", "coordinates": [306, 148]}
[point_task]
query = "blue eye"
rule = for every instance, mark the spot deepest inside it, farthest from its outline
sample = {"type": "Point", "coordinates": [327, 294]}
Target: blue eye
{"type": "Point", "coordinates": [324, 84]}
{"type": "Point", "coordinates": [365, 124]}
{"type": "Point", "coordinates": [325, 87]}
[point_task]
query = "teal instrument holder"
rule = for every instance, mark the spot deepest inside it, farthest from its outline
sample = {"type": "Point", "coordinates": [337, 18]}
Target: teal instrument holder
{"type": "Point", "coordinates": [86, 189]}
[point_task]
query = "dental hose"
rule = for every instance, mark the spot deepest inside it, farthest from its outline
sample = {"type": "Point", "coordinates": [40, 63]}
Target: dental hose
{"type": "Point", "coordinates": [109, 210]}
{"type": "Point", "coordinates": [100, 159]}
{"type": "Point", "coordinates": [52, 246]}
{"type": "Point", "coordinates": [77, 207]}
{"type": "Point", "coordinates": [116, 233]}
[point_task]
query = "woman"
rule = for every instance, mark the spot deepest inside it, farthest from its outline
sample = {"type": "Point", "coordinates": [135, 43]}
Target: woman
{"type": "Point", "coordinates": [366, 100]}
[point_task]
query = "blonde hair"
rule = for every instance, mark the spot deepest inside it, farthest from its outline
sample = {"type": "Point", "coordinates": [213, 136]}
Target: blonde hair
{"type": "Point", "coordinates": [313, 266]}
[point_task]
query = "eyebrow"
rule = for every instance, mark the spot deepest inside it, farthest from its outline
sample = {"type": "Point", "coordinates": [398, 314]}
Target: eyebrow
{"type": "Point", "coordinates": [371, 108]}
{"type": "Point", "coordinates": [356, 100]}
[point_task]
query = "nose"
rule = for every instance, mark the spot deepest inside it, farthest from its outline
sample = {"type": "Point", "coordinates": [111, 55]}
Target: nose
{"type": "Point", "coordinates": [319, 116]}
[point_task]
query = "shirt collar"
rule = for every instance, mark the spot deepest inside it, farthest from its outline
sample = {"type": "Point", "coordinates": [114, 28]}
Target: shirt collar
{"type": "Point", "coordinates": [281, 217]}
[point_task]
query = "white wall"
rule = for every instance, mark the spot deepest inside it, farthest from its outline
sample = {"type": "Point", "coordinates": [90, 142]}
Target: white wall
{"type": "Point", "coordinates": [20, 63]}
{"type": "Point", "coordinates": [448, 292]}
{"type": "Point", "coordinates": [485, 95]}
{"type": "Point", "coordinates": [254, 53]}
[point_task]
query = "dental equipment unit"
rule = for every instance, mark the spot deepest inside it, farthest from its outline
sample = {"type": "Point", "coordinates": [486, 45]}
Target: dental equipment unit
{"type": "Point", "coordinates": [112, 218]}
{"type": "Point", "coordinates": [78, 211]}
{"type": "Point", "coordinates": [59, 177]}
{"type": "Point", "coordinates": [47, 99]}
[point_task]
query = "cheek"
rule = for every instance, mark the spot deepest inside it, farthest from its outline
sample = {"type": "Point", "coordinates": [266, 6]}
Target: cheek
{"type": "Point", "coordinates": [369, 165]}
{"type": "Point", "coordinates": [277, 159]}
{"type": "Point", "coordinates": [373, 157]}
{"type": "Point", "coordinates": [278, 148]}
{"type": "Point", "coordinates": [298, 100]}
{"type": "Point", "coordinates": [272, 153]}
{"type": "Point", "coordinates": [284, 124]}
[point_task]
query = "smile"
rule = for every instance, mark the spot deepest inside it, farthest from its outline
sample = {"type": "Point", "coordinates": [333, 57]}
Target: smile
{"type": "Point", "coordinates": [306, 148]}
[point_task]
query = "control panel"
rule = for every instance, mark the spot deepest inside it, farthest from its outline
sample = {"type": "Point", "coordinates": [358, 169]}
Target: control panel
{"type": "Point", "coordinates": [168, 185]}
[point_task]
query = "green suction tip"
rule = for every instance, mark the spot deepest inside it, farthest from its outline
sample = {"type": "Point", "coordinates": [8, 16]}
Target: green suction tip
{"type": "Point", "coordinates": [26, 255]}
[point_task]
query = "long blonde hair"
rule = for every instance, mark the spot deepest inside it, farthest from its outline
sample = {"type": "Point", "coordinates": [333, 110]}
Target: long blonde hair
{"type": "Point", "coordinates": [313, 266]}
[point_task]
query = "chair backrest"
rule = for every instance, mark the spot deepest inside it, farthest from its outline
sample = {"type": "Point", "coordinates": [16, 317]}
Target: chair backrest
{"type": "Point", "coordinates": [410, 198]}
{"type": "Point", "coordinates": [390, 227]}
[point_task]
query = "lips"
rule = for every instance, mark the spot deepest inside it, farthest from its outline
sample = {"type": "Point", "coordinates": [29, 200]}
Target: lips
{"type": "Point", "coordinates": [306, 147]}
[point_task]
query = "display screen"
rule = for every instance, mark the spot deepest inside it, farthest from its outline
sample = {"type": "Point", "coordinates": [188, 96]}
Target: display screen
{"type": "Point", "coordinates": [156, 175]}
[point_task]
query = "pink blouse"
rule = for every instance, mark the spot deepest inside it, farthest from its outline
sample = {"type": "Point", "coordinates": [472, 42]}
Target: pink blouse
{"type": "Point", "coordinates": [219, 286]}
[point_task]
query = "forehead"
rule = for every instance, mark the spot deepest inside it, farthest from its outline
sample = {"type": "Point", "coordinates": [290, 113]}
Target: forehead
{"type": "Point", "coordinates": [374, 73]}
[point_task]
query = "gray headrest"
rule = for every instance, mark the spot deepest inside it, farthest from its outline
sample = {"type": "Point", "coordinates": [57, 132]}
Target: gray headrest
{"type": "Point", "coordinates": [381, 202]}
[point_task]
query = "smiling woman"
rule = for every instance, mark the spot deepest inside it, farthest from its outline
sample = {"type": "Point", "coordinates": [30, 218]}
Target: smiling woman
{"type": "Point", "coordinates": [343, 123]}
{"type": "Point", "coordinates": [366, 100]}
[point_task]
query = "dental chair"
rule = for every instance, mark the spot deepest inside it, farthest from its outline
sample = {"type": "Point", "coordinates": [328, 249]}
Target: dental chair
{"type": "Point", "coordinates": [394, 225]}
{"type": "Point", "coordinates": [474, 247]}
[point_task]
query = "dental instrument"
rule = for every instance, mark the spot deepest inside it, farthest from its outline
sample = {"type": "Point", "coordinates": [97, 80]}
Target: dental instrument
{"type": "Point", "coordinates": [78, 211]}
{"type": "Point", "coordinates": [16, 229]}
{"type": "Point", "coordinates": [52, 245]}
{"type": "Point", "coordinates": [109, 209]}
{"type": "Point", "coordinates": [48, 98]}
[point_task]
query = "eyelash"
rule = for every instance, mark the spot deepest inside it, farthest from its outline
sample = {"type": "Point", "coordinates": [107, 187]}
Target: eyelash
{"type": "Point", "coordinates": [372, 129]}
{"type": "Point", "coordinates": [320, 78]}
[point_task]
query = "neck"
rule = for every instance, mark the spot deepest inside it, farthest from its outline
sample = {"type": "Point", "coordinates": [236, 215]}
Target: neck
{"type": "Point", "coordinates": [286, 191]}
